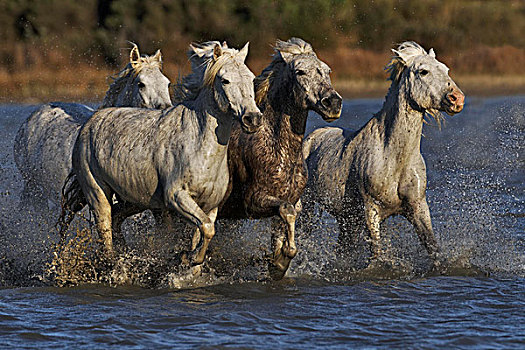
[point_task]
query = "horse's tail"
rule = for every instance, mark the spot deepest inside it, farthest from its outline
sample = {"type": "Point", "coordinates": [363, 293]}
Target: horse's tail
{"type": "Point", "coordinates": [73, 201]}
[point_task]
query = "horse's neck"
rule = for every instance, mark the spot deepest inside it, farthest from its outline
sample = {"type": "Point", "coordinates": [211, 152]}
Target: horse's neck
{"type": "Point", "coordinates": [286, 120]}
{"type": "Point", "coordinates": [120, 93]}
{"type": "Point", "coordinates": [401, 124]}
{"type": "Point", "coordinates": [214, 125]}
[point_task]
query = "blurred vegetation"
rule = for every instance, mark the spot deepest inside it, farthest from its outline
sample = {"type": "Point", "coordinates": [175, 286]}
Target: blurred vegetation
{"type": "Point", "coordinates": [354, 36]}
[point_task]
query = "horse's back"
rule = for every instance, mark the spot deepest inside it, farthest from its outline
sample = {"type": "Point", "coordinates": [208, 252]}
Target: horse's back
{"type": "Point", "coordinates": [135, 151]}
{"type": "Point", "coordinates": [324, 152]}
{"type": "Point", "coordinates": [113, 134]}
{"type": "Point", "coordinates": [44, 143]}
{"type": "Point", "coordinates": [328, 142]}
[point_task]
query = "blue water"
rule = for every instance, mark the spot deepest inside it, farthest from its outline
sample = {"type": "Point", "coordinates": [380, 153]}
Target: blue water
{"type": "Point", "coordinates": [476, 193]}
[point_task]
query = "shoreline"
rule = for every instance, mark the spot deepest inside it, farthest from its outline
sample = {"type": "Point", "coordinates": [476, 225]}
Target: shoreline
{"type": "Point", "coordinates": [37, 89]}
{"type": "Point", "coordinates": [471, 85]}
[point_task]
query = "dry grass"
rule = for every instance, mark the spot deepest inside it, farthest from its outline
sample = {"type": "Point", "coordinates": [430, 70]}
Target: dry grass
{"type": "Point", "coordinates": [355, 72]}
{"type": "Point", "coordinates": [41, 85]}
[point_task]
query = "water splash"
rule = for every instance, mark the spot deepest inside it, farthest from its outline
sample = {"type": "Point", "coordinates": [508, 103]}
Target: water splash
{"type": "Point", "coordinates": [476, 194]}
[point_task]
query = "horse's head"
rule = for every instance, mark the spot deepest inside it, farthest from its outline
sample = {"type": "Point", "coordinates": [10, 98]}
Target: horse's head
{"type": "Point", "coordinates": [140, 84]}
{"type": "Point", "coordinates": [426, 80]}
{"type": "Point", "coordinates": [232, 84]}
{"type": "Point", "coordinates": [310, 79]}
{"type": "Point", "coordinates": [149, 87]}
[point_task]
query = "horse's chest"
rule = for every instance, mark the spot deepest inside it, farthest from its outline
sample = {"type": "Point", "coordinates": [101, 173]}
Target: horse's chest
{"type": "Point", "coordinates": [208, 185]}
{"type": "Point", "coordinates": [288, 180]}
{"type": "Point", "coordinates": [391, 187]}
{"type": "Point", "coordinates": [381, 184]}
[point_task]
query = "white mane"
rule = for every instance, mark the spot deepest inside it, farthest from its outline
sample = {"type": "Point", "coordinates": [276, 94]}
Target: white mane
{"type": "Point", "coordinates": [404, 56]}
{"type": "Point", "coordinates": [204, 68]}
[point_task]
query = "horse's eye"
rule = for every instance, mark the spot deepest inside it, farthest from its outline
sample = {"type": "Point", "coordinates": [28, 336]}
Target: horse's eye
{"type": "Point", "coordinates": [423, 72]}
{"type": "Point", "coordinates": [300, 72]}
{"type": "Point", "coordinates": [141, 85]}
{"type": "Point", "coordinates": [225, 81]}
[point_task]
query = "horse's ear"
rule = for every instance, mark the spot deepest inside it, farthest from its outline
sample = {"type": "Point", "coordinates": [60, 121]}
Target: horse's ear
{"type": "Point", "coordinates": [134, 55]}
{"type": "Point", "coordinates": [224, 45]}
{"type": "Point", "coordinates": [286, 56]}
{"type": "Point", "coordinates": [158, 56]}
{"type": "Point", "coordinates": [217, 51]}
{"type": "Point", "coordinates": [432, 53]}
{"type": "Point", "coordinates": [244, 51]}
{"type": "Point", "coordinates": [196, 50]}
{"type": "Point", "coordinates": [398, 56]}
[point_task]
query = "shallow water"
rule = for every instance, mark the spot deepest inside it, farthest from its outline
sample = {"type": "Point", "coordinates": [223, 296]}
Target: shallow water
{"type": "Point", "coordinates": [476, 193]}
{"type": "Point", "coordinates": [441, 312]}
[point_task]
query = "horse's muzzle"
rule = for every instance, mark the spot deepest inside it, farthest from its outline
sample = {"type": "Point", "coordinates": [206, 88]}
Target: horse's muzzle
{"type": "Point", "coordinates": [454, 101]}
{"type": "Point", "coordinates": [251, 121]}
{"type": "Point", "coordinates": [332, 106]}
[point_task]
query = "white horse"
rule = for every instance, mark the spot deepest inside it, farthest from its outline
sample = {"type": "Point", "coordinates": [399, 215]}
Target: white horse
{"type": "Point", "coordinates": [44, 143]}
{"type": "Point", "coordinates": [170, 160]}
{"type": "Point", "coordinates": [364, 177]}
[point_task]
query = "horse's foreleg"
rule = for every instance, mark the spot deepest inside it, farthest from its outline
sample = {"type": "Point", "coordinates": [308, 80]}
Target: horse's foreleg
{"type": "Point", "coordinates": [283, 245]}
{"type": "Point", "coordinates": [419, 215]}
{"type": "Point", "coordinates": [289, 214]}
{"type": "Point", "coordinates": [183, 203]}
{"type": "Point", "coordinates": [373, 223]}
{"type": "Point", "coordinates": [195, 239]}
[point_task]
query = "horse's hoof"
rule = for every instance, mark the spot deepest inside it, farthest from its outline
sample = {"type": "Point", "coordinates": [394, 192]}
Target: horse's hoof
{"type": "Point", "coordinates": [195, 271]}
{"type": "Point", "coordinates": [276, 272]}
{"type": "Point", "coordinates": [439, 267]}
{"type": "Point", "coordinates": [289, 251]}
{"type": "Point", "coordinates": [278, 267]}
{"type": "Point", "coordinates": [189, 258]}
{"type": "Point", "coordinates": [110, 255]}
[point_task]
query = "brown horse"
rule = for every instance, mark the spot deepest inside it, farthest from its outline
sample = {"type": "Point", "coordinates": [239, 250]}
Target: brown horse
{"type": "Point", "coordinates": [267, 168]}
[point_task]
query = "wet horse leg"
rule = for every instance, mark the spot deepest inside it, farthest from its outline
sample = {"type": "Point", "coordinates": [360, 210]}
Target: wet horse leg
{"type": "Point", "coordinates": [373, 222]}
{"type": "Point", "coordinates": [283, 245]}
{"type": "Point", "coordinates": [101, 208]}
{"type": "Point", "coordinates": [120, 212]}
{"type": "Point", "coordinates": [419, 215]}
{"type": "Point", "coordinates": [289, 214]}
{"type": "Point", "coordinates": [32, 195]}
{"type": "Point", "coordinates": [182, 202]}
{"type": "Point", "coordinates": [351, 224]}
{"type": "Point", "coordinates": [195, 239]}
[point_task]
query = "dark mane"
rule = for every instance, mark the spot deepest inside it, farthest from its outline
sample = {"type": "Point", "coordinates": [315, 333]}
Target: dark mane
{"type": "Point", "coordinates": [263, 81]}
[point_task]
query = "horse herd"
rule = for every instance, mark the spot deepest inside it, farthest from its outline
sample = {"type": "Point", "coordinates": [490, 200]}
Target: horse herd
{"type": "Point", "coordinates": [232, 145]}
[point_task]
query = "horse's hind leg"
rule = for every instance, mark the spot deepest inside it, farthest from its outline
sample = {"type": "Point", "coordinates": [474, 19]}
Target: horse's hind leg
{"type": "Point", "coordinates": [120, 212]}
{"type": "Point", "coordinates": [32, 195]}
{"type": "Point", "coordinates": [99, 203]}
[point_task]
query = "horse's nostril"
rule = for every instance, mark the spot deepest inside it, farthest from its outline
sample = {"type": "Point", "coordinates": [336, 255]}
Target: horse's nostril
{"type": "Point", "coordinates": [452, 98]}
{"type": "Point", "coordinates": [339, 102]}
{"type": "Point", "coordinates": [325, 101]}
